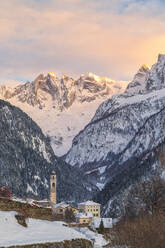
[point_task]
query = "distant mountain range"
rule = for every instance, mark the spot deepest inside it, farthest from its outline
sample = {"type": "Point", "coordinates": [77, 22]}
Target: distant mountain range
{"type": "Point", "coordinates": [62, 107]}
{"type": "Point", "coordinates": [114, 149]}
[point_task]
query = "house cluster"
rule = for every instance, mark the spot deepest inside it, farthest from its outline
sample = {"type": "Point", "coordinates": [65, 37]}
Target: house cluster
{"type": "Point", "coordinates": [87, 212]}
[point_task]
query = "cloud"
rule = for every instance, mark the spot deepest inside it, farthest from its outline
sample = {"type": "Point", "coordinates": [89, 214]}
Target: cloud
{"type": "Point", "coordinates": [111, 38]}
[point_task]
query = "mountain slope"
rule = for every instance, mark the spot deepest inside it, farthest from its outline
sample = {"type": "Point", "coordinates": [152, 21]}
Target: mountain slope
{"type": "Point", "coordinates": [62, 107]}
{"type": "Point", "coordinates": [27, 159]}
{"type": "Point", "coordinates": [117, 147]}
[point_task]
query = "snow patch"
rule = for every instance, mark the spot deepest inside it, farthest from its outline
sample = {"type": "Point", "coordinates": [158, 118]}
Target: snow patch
{"type": "Point", "coordinates": [38, 231]}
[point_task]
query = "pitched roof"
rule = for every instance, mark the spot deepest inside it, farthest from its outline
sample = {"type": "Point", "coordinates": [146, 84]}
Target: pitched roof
{"type": "Point", "coordinates": [84, 215]}
{"type": "Point", "coordinates": [89, 203]}
{"type": "Point", "coordinates": [61, 204]}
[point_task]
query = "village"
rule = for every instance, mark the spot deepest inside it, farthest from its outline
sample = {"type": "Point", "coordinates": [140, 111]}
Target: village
{"type": "Point", "coordinates": [86, 213]}
{"type": "Point", "coordinates": [49, 221]}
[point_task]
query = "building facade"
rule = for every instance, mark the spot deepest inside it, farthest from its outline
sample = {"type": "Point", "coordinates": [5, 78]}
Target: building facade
{"type": "Point", "coordinates": [60, 209]}
{"type": "Point", "coordinates": [53, 182]}
{"type": "Point", "coordinates": [90, 207]}
{"type": "Point", "coordinates": [83, 218]}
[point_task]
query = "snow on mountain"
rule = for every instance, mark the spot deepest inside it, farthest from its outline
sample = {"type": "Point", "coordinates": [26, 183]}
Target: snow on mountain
{"type": "Point", "coordinates": [114, 148]}
{"type": "Point", "coordinates": [139, 81]}
{"type": "Point", "coordinates": [114, 125]}
{"type": "Point", "coordinates": [62, 107]}
{"type": "Point", "coordinates": [118, 119]}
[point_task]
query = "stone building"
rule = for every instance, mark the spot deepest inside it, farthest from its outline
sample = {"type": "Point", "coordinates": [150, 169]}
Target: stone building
{"type": "Point", "coordinates": [53, 188]}
{"type": "Point", "coordinates": [84, 218]}
{"type": "Point", "coordinates": [60, 209]}
{"type": "Point", "coordinates": [90, 207]}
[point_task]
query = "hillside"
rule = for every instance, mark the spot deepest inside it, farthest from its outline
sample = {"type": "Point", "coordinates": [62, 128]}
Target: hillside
{"type": "Point", "coordinates": [38, 231]}
{"type": "Point", "coordinates": [27, 159]}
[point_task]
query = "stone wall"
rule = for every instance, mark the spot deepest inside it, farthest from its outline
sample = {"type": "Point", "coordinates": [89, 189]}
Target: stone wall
{"type": "Point", "coordinates": [75, 243]}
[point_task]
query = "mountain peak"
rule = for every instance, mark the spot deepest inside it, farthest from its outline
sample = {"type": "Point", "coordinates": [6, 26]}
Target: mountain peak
{"type": "Point", "coordinates": [145, 67]}
{"type": "Point", "coordinates": [97, 78]}
{"type": "Point", "coordinates": [52, 74]}
{"type": "Point", "coordinates": [138, 83]}
{"type": "Point", "coordinates": [161, 57]}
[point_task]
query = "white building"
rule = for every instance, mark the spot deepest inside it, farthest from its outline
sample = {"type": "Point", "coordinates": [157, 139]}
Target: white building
{"type": "Point", "coordinates": [90, 207]}
{"type": "Point", "coordinates": [84, 218]}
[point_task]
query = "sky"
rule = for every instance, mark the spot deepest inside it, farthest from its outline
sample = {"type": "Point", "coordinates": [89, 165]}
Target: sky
{"type": "Point", "coordinates": [110, 38]}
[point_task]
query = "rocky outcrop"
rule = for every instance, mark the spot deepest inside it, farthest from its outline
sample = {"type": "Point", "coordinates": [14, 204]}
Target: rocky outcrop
{"type": "Point", "coordinates": [138, 84]}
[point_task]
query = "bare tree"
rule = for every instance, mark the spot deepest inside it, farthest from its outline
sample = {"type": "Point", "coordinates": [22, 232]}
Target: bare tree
{"type": "Point", "coordinates": [147, 231]}
{"type": "Point", "coordinates": [147, 196]}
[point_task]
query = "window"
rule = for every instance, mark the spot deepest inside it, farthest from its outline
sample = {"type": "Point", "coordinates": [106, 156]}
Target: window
{"type": "Point", "coordinates": [53, 185]}
{"type": "Point", "coordinates": [93, 214]}
{"type": "Point", "coordinates": [53, 177]}
{"type": "Point", "coordinates": [84, 221]}
{"type": "Point", "coordinates": [97, 215]}
{"type": "Point", "coordinates": [97, 209]}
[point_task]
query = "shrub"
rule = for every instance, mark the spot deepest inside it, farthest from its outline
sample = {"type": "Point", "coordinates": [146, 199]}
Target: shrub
{"type": "Point", "coordinates": [5, 192]}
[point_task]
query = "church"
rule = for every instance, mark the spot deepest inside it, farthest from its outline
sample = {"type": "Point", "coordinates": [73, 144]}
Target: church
{"type": "Point", "coordinates": [84, 212]}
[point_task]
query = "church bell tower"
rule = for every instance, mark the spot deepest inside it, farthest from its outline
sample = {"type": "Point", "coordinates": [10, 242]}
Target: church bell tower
{"type": "Point", "coordinates": [53, 188]}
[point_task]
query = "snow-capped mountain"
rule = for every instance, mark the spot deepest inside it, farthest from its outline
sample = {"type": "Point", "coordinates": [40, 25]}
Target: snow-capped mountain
{"type": "Point", "coordinates": [62, 107]}
{"type": "Point", "coordinates": [120, 144]}
{"type": "Point", "coordinates": [139, 82]}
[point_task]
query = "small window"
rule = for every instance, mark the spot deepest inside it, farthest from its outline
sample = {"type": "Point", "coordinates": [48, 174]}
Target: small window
{"type": "Point", "coordinates": [97, 215]}
{"type": "Point", "coordinates": [93, 214]}
{"type": "Point", "coordinates": [53, 185]}
{"type": "Point", "coordinates": [53, 177]}
{"type": "Point", "coordinates": [84, 221]}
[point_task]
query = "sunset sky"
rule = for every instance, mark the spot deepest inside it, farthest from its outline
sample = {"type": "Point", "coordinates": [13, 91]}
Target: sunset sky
{"type": "Point", "coordinates": [107, 37]}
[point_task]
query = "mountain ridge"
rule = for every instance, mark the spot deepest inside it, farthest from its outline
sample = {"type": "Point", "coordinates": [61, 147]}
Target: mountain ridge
{"type": "Point", "coordinates": [62, 107]}
{"type": "Point", "coordinates": [124, 129]}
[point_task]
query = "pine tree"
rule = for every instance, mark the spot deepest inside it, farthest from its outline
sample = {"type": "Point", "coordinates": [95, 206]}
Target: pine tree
{"type": "Point", "coordinates": [101, 227]}
{"type": "Point", "coordinates": [69, 215]}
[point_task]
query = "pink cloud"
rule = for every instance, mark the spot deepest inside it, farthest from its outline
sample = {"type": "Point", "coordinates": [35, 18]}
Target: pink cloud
{"type": "Point", "coordinates": [74, 38]}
